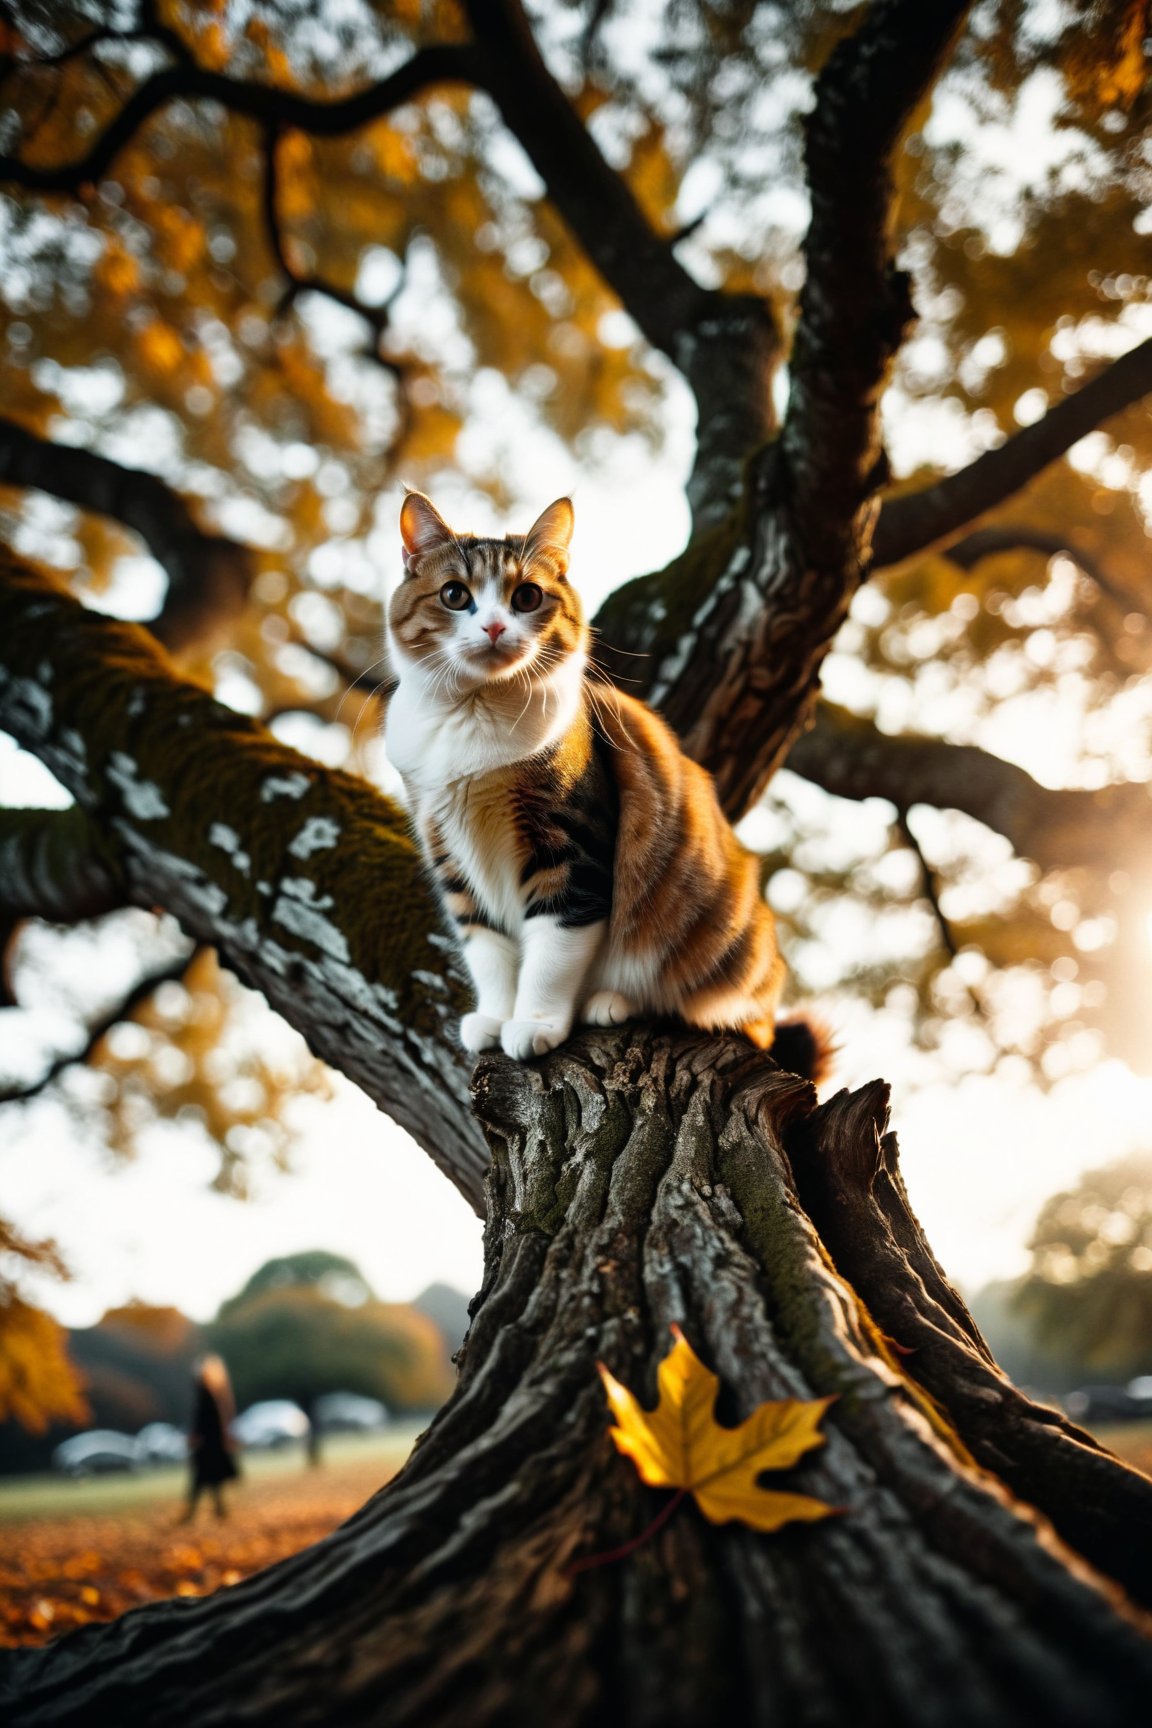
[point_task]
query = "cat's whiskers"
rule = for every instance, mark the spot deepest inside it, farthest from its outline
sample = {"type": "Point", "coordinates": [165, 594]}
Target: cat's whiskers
{"type": "Point", "coordinates": [605, 715]}
{"type": "Point", "coordinates": [526, 672]}
{"type": "Point", "coordinates": [357, 685]}
{"type": "Point", "coordinates": [369, 698]}
{"type": "Point", "coordinates": [445, 682]}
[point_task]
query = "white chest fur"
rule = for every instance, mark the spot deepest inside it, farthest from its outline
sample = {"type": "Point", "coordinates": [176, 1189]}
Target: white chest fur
{"type": "Point", "coordinates": [434, 740]}
{"type": "Point", "coordinates": [449, 753]}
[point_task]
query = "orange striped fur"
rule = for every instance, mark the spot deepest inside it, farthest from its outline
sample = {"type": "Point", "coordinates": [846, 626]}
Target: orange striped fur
{"type": "Point", "coordinates": [584, 858]}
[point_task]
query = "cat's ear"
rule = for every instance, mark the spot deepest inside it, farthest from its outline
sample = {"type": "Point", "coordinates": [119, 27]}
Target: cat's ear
{"type": "Point", "coordinates": [551, 533]}
{"type": "Point", "coordinates": [421, 526]}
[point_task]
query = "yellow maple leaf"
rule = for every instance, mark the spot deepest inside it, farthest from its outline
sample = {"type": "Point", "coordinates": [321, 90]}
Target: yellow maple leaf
{"type": "Point", "coordinates": [680, 1444]}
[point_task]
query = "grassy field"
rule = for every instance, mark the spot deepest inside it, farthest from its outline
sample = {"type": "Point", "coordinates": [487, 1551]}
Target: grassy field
{"type": "Point", "coordinates": [76, 1552]}
{"type": "Point", "coordinates": [52, 1496]}
{"type": "Point", "coordinates": [1131, 1441]}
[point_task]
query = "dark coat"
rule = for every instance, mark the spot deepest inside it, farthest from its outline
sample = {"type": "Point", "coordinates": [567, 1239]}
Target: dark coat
{"type": "Point", "coordinates": [212, 1457]}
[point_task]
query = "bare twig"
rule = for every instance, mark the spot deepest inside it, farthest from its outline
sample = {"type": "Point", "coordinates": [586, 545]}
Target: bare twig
{"type": "Point", "coordinates": [313, 282]}
{"type": "Point", "coordinates": [439, 64]}
{"type": "Point", "coordinates": [984, 543]}
{"type": "Point", "coordinates": [125, 1009]}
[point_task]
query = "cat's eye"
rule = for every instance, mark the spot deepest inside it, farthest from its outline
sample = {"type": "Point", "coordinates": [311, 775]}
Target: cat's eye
{"type": "Point", "coordinates": [455, 596]}
{"type": "Point", "coordinates": [527, 597]}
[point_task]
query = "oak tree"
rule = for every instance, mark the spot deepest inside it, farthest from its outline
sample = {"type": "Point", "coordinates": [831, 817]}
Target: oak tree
{"type": "Point", "coordinates": [186, 189]}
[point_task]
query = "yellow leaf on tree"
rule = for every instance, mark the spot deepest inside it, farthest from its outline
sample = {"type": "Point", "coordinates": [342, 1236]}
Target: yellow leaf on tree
{"type": "Point", "coordinates": [680, 1444]}
{"type": "Point", "coordinates": [160, 346]}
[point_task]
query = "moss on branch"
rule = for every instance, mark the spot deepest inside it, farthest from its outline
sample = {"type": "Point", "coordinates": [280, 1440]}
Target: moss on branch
{"type": "Point", "coordinates": [304, 877]}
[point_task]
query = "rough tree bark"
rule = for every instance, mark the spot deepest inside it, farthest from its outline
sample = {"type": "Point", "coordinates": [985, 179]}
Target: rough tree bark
{"type": "Point", "coordinates": [638, 1180]}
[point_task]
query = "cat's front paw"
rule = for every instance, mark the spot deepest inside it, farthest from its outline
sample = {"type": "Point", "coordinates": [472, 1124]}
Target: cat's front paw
{"type": "Point", "coordinates": [523, 1039]}
{"type": "Point", "coordinates": [606, 1008]}
{"type": "Point", "coordinates": [479, 1032]}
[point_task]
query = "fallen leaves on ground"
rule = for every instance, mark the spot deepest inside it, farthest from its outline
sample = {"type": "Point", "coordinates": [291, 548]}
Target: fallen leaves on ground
{"type": "Point", "coordinates": [680, 1444]}
{"type": "Point", "coordinates": [67, 1571]}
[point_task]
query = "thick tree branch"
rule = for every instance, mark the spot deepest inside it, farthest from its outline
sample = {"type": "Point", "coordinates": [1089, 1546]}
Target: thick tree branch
{"type": "Point", "coordinates": [855, 307]}
{"type": "Point", "coordinates": [56, 865]}
{"type": "Point", "coordinates": [667, 636]}
{"type": "Point", "coordinates": [729, 640]}
{"type": "Point", "coordinates": [594, 200]}
{"type": "Point", "coordinates": [208, 576]}
{"type": "Point", "coordinates": [850, 757]}
{"type": "Point", "coordinates": [917, 521]}
{"type": "Point", "coordinates": [304, 879]}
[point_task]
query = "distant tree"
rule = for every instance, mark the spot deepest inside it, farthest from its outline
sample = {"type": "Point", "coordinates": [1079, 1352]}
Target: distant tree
{"type": "Point", "coordinates": [39, 1383]}
{"type": "Point", "coordinates": [136, 1362]}
{"type": "Point", "coordinates": [160, 1329]}
{"type": "Point", "coordinates": [1050, 1369]}
{"type": "Point", "coordinates": [334, 1274]}
{"type": "Point", "coordinates": [448, 1307]}
{"type": "Point", "coordinates": [1088, 1294]}
{"type": "Point", "coordinates": [294, 1341]}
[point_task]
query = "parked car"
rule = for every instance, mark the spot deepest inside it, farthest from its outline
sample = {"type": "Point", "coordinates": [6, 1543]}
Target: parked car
{"type": "Point", "coordinates": [1140, 1390]}
{"type": "Point", "coordinates": [163, 1443]}
{"type": "Point", "coordinates": [348, 1413]}
{"type": "Point", "coordinates": [275, 1422]}
{"type": "Point", "coordinates": [97, 1452]}
{"type": "Point", "coordinates": [1102, 1404]}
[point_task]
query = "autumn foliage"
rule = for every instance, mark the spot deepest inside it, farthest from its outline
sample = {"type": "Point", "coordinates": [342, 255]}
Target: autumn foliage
{"type": "Point", "coordinates": [38, 1382]}
{"type": "Point", "coordinates": [61, 1571]}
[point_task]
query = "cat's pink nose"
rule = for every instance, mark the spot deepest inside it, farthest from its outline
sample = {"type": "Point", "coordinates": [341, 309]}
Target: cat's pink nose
{"type": "Point", "coordinates": [494, 631]}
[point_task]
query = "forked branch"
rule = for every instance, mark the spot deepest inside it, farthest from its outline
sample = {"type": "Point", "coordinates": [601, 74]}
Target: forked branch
{"type": "Point", "coordinates": [982, 543]}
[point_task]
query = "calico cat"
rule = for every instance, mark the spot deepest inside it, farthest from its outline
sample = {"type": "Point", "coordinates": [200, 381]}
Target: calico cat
{"type": "Point", "coordinates": [585, 859]}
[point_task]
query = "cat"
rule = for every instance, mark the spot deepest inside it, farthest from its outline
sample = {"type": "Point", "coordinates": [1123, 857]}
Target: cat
{"type": "Point", "coordinates": [585, 860]}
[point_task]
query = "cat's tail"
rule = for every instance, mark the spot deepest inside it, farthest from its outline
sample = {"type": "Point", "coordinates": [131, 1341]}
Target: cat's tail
{"type": "Point", "coordinates": [803, 1045]}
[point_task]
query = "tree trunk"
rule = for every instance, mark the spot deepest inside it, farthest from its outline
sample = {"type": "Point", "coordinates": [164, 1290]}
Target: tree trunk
{"type": "Point", "coordinates": [640, 1179]}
